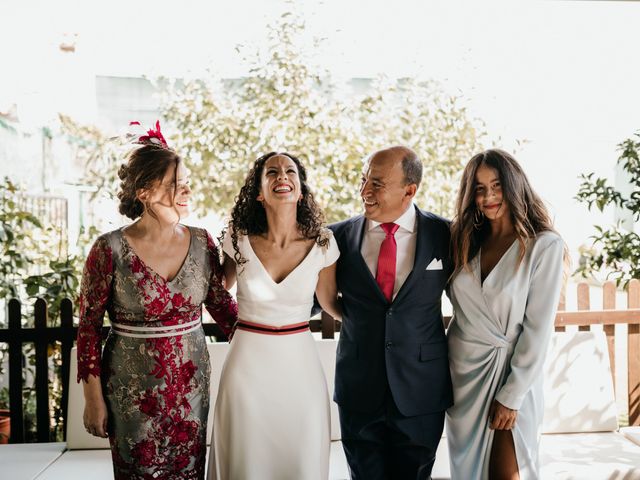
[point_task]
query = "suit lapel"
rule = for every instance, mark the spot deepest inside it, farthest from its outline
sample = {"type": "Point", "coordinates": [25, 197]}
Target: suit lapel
{"type": "Point", "coordinates": [354, 239]}
{"type": "Point", "coordinates": [424, 252]}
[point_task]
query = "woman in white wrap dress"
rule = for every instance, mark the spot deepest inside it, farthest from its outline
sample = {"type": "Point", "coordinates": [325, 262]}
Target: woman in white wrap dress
{"type": "Point", "coordinates": [271, 419]}
{"type": "Point", "coordinates": [505, 291]}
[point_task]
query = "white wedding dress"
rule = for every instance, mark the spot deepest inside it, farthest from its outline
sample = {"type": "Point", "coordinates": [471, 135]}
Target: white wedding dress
{"type": "Point", "coordinates": [271, 419]}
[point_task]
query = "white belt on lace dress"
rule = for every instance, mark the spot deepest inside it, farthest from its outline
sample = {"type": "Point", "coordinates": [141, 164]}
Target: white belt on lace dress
{"type": "Point", "coordinates": [155, 332]}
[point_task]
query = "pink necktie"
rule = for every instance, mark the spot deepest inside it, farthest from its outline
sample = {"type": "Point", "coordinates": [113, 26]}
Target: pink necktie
{"type": "Point", "coordinates": [386, 273]}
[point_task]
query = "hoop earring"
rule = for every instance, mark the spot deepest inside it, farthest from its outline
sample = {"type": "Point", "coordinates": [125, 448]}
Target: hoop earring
{"type": "Point", "coordinates": [478, 219]}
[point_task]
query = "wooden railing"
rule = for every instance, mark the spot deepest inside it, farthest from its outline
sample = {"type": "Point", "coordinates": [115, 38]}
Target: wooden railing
{"type": "Point", "coordinates": [608, 317]}
{"type": "Point", "coordinates": [42, 336]}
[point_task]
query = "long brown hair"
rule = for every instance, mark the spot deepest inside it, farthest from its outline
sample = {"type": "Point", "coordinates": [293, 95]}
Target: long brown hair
{"type": "Point", "coordinates": [248, 216]}
{"type": "Point", "coordinates": [528, 212]}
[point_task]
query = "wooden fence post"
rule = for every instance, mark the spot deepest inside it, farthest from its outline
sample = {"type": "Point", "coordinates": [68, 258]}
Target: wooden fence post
{"type": "Point", "coordinates": [633, 355]}
{"type": "Point", "coordinates": [583, 302]}
{"type": "Point", "coordinates": [68, 336]}
{"type": "Point", "coordinates": [42, 371]}
{"type": "Point", "coordinates": [609, 303]}
{"type": "Point", "coordinates": [15, 373]}
{"type": "Point", "coordinates": [562, 305]}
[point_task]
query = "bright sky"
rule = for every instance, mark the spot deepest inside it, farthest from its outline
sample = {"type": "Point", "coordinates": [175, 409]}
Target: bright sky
{"type": "Point", "coordinates": [562, 75]}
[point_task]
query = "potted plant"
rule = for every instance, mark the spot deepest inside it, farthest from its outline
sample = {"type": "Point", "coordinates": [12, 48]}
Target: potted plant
{"type": "Point", "coordinates": [5, 419]}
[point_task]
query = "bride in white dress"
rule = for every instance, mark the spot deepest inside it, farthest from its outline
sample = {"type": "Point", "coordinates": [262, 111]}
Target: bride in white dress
{"type": "Point", "coordinates": [271, 419]}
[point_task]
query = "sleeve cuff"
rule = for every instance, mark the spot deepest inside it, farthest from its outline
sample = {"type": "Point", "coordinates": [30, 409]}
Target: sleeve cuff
{"type": "Point", "coordinates": [509, 399]}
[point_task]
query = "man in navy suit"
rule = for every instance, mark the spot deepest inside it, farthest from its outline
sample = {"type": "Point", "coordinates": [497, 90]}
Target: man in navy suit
{"type": "Point", "coordinates": [392, 373]}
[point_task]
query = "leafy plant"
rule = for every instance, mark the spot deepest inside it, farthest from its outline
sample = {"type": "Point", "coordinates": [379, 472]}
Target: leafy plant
{"type": "Point", "coordinates": [615, 248]}
{"type": "Point", "coordinates": [15, 227]}
{"type": "Point", "coordinates": [4, 398]}
{"type": "Point", "coordinates": [287, 103]}
{"type": "Point", "coordinates": [100, 154]}
{"type": "Point", "coordinates": [46, 271]}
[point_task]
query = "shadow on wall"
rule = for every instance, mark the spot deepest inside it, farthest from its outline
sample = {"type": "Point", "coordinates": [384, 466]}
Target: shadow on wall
{"type": "Point", "coordinates": [578, 392]}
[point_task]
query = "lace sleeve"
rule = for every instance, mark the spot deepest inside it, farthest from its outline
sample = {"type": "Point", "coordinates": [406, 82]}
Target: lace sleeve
{"type": "Point", "coordinates": [95, 292]}
{"type": "Point", "coordinates": [219, 302]}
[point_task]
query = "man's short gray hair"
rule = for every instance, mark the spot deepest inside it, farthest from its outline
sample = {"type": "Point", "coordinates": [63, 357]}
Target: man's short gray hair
{"type": "Point", "coordinates": [411, 167]}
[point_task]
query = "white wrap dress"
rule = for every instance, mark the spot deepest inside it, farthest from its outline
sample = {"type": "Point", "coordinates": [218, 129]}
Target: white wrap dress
{"type": "Point", "coordinates": [498, 340]}
{"type": "Point", "coordinates": [271, 419]}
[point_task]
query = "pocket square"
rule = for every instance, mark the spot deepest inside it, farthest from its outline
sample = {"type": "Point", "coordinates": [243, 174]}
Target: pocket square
{"type": "Point", "coordinates": [435, 264]}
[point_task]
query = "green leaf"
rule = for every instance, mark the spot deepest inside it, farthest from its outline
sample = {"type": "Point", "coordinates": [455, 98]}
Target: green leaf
{"type": "Point", "coordinates": [33, 289]}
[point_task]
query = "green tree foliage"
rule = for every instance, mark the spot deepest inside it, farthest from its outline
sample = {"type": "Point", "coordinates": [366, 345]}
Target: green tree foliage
{"type": "Point", "coordinates": [100, 154]}
{"type": "Point", "coordinates": [16, 240]}
{"type": "Point", "coordinates": [615, 249]}
{"type": "Point", "coordinates": [34, 263]}
{"type": "Point", "coordinates": [34, 259]}
{"type": "Point", "coordinates": [285, 104]}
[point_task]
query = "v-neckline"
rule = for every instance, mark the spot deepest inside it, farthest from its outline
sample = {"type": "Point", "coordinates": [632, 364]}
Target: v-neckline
{"type": "Point", "coordinates": [266, 272]}
{"type": "Point", "coordinates": [506, 252]}
{"type": "Point", "coordinates": [182, 265]}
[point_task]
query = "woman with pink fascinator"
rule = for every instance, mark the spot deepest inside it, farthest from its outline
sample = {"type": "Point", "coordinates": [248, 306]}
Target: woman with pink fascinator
{"type": "Point", "coordinates": [148, 391]}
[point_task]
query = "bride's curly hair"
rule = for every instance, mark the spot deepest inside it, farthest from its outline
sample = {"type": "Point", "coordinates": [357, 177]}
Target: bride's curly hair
{"type": "Point", "coordinates": [248, 216]}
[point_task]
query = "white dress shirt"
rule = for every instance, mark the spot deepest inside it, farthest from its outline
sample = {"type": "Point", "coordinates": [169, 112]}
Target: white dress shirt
{"type": "Point", "coordinates": [406, 246]}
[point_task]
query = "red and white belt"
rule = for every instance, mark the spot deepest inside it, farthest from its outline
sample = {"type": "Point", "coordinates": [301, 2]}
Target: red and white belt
{"type": "Point", "coordinates": [269, 330]}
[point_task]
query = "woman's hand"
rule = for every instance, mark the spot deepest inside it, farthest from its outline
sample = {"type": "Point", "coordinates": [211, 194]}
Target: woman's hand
{"type": "Point", "coordinates": [95, 409]}
{"type": "Point", "coordinates": [501, 417]}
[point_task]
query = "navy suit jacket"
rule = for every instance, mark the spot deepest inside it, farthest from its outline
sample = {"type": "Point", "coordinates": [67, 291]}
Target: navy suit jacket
{"type": "Point", "coordinates": [399, 346]}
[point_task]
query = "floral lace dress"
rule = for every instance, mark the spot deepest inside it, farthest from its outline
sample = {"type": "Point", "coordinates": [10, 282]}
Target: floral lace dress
{"type": "Point", "coordinates": [155, 365]}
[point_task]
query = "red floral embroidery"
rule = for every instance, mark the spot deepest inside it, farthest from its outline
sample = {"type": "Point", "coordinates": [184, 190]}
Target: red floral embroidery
{"type": "Point", "coordinates": [144, 452]}
{"type": "Point", "coordinates": [178, 300]}
{"type": "Point", "coordinates": [187, 370]}
{"type": "Point", "coordinates": [219, 302]}
{"type": "Point", "coordinates": [156, 306]}
{"type": "Point", "coordinates": [183, 431]}
{"type": "Point", "coordinates": [172, 444]}
{"type": "Point", "coordinates": [149, 404]}
{"type": "Point", "coordinates": [136, 265]}
{"type": "Point", "coordinates": [181, 461]}
{"type": "Point", "coordinates": [95, 292]}
{"type": "Point", "coordinates": [170, 409]}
